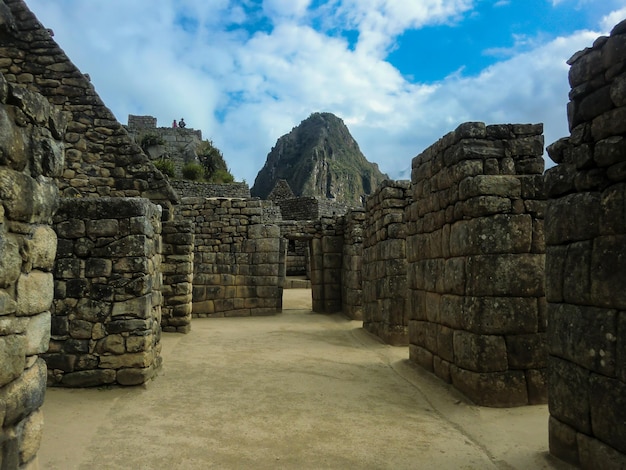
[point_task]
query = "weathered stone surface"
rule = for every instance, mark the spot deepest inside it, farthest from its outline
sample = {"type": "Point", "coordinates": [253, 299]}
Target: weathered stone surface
{"type": "Point", "coordinates": [38, 334]}
{"type": "Point", "coordinates": [480, 353]}
{"type": "Point", "coordinates": [569, 390]}
{"type": "Point", "coordinates": [35, 292]}
{"type": "Point", "coordinates": [496, 389]}
{"type": "Point", "coordinates": [30, 437]}
{"type": "Point", "coordinates": [10, 261]}
{"type": "Point", "coordinates": [607, 398]}
{"type": "Point", "coordinates": [515, 275]}
{"type": "Point", "coordinates": [593, 453]}
{"type": "Point", "coordinates": [25, 394]}
{"type": "Point", "coordinates": [563, 441]}
{"type": "Point", "coordinates": [88, 378]}
{"type": "Point", "coordinates": [12, 357]}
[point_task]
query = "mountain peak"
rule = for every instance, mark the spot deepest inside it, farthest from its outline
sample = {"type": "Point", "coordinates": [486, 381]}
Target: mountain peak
{"type": "Point", "coordinates": [319, 158]}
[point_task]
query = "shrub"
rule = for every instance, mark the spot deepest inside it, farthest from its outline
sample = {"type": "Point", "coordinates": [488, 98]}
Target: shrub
{"type": "Point", "coordinates": [165, 166]}
{"type": "Point", "coordinates": [221, 176]}
{"type": "Point", "coordinates": [193, 171]}
{"type": "Point", "coordinates": [150, 140]}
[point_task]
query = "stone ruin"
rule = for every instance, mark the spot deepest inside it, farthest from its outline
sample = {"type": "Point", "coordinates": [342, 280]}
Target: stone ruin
{"type": "Point", "coordinates": [100, 255]}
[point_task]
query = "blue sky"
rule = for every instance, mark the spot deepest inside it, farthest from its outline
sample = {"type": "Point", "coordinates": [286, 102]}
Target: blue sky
{"type": "Point", "coordinates": [400, 73]}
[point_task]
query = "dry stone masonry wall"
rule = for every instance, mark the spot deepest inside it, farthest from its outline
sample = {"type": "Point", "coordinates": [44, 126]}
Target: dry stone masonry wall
{"type": "Point", "coordinates": [31, 158]}
{"type": "Point", "coordinates": [476, 263]}
{"type": "Point", "coordinates": [385, 263]}
{"type": "Point", "coordinates": [351, 276]}
{"type": "Point", "coordinates": [101, 158]}
{"type": "Point", "coordinates": [107, 303]}
{"type": "Point", "coordinates": [586, 263]}
{"type": "Point", "coordinates": [238, 260]}
{"type": "Point", "coordinates": [177, 269]}
{"type": "Point", "coordinates": [327, 264]}
{"type": "Point", "coordinates": [186, 188]}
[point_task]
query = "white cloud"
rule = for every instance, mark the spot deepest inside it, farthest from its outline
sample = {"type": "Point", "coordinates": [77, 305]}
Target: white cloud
{"type": "Point", "coordinates": [610, 20]}
{"type": "Point", "coordinates": [245, 90]}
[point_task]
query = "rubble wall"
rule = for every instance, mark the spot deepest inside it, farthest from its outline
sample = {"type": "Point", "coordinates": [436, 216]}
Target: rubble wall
{"type": "Point", "coordinates": [31, 159]}
{"type": "Point", "coordinates": [476, 254]}
{"type": "Point", "coordinates": [586, 263]}
{"type": "Point", "coordinates": [107, 303]}
{"type": "Point", "coordinates": [385, 263]}
{"type": "Point", "coordinates": [239, 261]}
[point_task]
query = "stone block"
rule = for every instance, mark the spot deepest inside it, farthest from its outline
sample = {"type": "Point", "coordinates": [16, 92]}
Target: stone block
{"type": "Point", "coordinates": [27, 199]}
{"type": "Point", "coordinates": [528, 351]}
{"type": "Point", "coordinates": [563, 442]}
{"type": "Point", "coordinates": [452, 311]}
{"type": "Point", "coordinates": [500, 315]}
{"type": "Point", "coordinates": [537, 383]}
{"type": "Point", "coordinates": [490, 185]}
{"type": "Point", "coordinates": [421, 357]}
{"type": "Point", "coordinates": [519, 275]}
{"type": "Point", "coordinates": [88, 378]}
{"type": "Point", "coordinates": [594, 453]}
{"type": "Point", "coordinates": [12, 357]}
{"type": "Point", "coordinates": [35, 292]}
{"type": "Point", "coordinates": [102, 228]}
{"type": "Point", "coordinates": [42, 248]}
{"type": "Point", "coordinates": [495, 389]}
{"type": "Point", "coordinates": [502, 233]}
{"type": "Point", "coordinates": [98, 267]}
{"type": "Point", "coordinates": [134, 376]}
{"type": "Point", "coordinates": [584, 335]}
{"type": "Point", "coordinates": [38, 334]}
{"type": "Point", "coordinates": [574, 217]}
{"type": "Point", "coordinates": [441, 368]}
{"type": "Point", "coordinates": [454, 278]}
{"type": "Point", "coordinates": [480, 353]}
{"type": "Point", "coordinates": [139, 307]}
{"type": "Point", "coordinates": [568, 399]}
{"type": "Point", "coordinates": [607, 397]}
{"type": "Point", "coordinates": [25, 394]}
{"type": "Point", "coordinates": [577, 273]}
{"type": "Point", "coordinates": [556, 256]}
{"type": "Point", "coordinates": [30, 436]}
{"type": "Point", "coordinates": [608, 275]}
{"type": "Point", "coordinates": [445, 343]}
{"type": "Point", "coordinates": [482, 206]}
{"type": "Point", "coordinates": [423, 334]}
{"type": "Point", "coordinates": [129, 360]}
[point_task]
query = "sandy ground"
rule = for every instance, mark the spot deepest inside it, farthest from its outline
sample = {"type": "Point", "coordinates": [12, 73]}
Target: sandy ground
{"type": "Point", "coordinates": [295, 391]}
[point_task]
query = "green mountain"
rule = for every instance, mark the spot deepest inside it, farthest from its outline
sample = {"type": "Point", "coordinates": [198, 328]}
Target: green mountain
{"type": "Point", "coordinates": [320, 158]}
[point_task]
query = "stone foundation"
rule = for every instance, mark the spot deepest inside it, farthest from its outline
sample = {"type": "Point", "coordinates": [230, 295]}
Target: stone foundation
{"type": "Point", "coordinates": [107, 303]}
{"type": "Point", "coordinates": [586, 263]}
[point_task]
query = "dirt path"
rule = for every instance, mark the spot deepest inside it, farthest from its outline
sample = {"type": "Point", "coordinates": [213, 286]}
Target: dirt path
{"type": "Point", "coordinates": [294, 391]}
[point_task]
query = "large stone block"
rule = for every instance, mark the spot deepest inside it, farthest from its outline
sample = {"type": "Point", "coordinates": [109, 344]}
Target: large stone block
{"type": "Point", "coordinates": [574, 217]}
{"type": "Point", "coordinates": [607, 399]}
{"type": "Point", "coordinates": [496, 389]}
{"type": "Point", "coordinates": [10, 260]}
{"type": "Point", "coordinates": [568, 399]}
{"type": "Point", "coordinates": [608, 274]}
{"type": "Point", "coordinates": [593, 453]}
{"type": "Point", "coordinates": [12, 357]}
{"type": "Point", "coordinates": [562, 441]}
{"type": "Point", "coordinates": [500, 315]}
{"type": "Point", "coordinates": [584, 335]}
{"type": "Point", "coordinates": [519, 275]}
{"type": "Point", "coordinates": [41, 248]}
{"type": "Point", "coordinates": [527, 351]}
{"type": "Point", "coordinates": [35, 292]}
{"type": "Point", "coordinates": [38, 334]}
{"type": "Point", "coordinates": [480, 353]}
{"type": "Point", "coordinates": [25, 394]}
{"type": "Point", "coordinates": [502, 233]}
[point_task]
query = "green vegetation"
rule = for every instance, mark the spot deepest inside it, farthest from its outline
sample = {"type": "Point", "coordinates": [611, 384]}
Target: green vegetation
{"type": "Point", "coordinates": [165, 166]}
{"type": "Point", "coordinates": [193, 171]}
{"type": "Point", "coordinates": [212, 160]}
{"type": "Point", "coordinates": [150, 140]}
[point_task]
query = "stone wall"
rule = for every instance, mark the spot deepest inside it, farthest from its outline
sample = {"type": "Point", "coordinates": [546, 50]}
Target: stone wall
{"type": "Point", "coordinates": [385, 263]}
{"type": "Point", "coordinates": [141, 122]}
{"type": "Point", "coordinates": [310, 208]}
{"type": "Point", "coordinates": [31, 158]}
{"type": "Point", "coordinates": [586, 263]}
{"type": "Point", "coordinates": [107, 304]}
{"type": "Point", "coordinates": [238, 260]}
{"type": "Point", "coordinates": [327, 264]}
{"type": "Point", "coordinates": [187, 188]}
{"type": "Point", "coordinates": [476, 258]}
{"type": "Point", "coordinates": [177, 270]}
{"type": "Point", "coordinates": [101, 159]}
{"type": "Point", "coordinates": [351, 276]}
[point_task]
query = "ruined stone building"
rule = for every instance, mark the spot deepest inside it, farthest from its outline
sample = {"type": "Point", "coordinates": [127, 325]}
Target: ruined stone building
{"type": "Point", "coordinates": [503, 280]}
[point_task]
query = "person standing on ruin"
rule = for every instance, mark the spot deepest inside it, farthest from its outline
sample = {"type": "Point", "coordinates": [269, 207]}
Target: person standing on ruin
{"type": "Point", "coordinates": [174, 124]}
{"type": "Point", "coordinates": [182, 123]}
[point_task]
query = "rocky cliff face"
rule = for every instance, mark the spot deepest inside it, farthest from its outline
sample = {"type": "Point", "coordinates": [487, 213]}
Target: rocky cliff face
{"type": "Point", "coordinates": [319, 158]}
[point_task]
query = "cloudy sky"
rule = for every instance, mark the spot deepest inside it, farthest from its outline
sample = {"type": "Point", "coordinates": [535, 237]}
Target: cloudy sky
{"type": "Point", "coordinates": [400, 73]}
